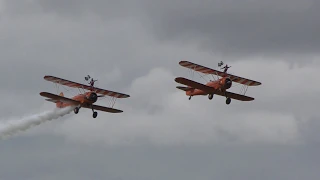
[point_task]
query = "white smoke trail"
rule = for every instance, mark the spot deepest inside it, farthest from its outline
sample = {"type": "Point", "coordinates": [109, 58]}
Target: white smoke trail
{"type": "Point", "coordinates": [14, 126]}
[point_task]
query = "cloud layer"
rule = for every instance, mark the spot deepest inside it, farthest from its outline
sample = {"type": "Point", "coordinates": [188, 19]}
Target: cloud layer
{"type": "Point", "coordinates": [134, 47]}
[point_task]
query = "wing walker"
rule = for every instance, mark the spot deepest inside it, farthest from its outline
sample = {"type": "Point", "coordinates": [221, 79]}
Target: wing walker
{"type": "Point", "coordinates": [84, 99]}
{"type": "Point", "coordinates": [218, 86]}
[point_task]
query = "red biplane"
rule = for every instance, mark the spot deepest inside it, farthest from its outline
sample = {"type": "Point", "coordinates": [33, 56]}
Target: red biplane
{"type": "Point", "coordinates": [218, 86]}
{"type": "Point", "coordinates": [85, 99]}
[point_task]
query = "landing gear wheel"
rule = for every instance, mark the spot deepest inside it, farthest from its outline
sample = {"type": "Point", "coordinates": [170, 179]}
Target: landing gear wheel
{"type": "Point", "coordinates": [210, 96]}
{"type": "Point", "coordinates": [95, 114]}
{"type": "Point", "coordinates": [76, 110]}
{"type": "Point", "coordinates": [190, 97]}
{"type": "Point", "coordinates": [228, 100]}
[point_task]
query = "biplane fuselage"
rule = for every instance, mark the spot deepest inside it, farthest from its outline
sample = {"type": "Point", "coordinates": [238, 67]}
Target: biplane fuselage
{"type": "Point", "coordinates": [87, 98]}
{"type": "Point", "coordinates": [222, 84]}
{"type": "Point", "coordinates": [217, 87]}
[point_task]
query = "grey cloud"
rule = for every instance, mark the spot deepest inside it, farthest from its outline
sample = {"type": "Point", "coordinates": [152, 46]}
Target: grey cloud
{"type": "Point", "coordinates": [240, 27]}
{"type": "Point", "coordinates": [310, 130]}
{"type": "Point", "coordinates": [70, 39]}
{"type": "Point", "coordinates": [76, 9]}
{"type": "Point", "coordinates": [226, 27]}
{"type": "Point", "coordinates": [35, 159]}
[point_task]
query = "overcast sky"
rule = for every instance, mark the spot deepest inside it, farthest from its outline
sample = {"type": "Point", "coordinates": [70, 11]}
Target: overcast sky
{"type": "Point", "coordinates": [134, 47]}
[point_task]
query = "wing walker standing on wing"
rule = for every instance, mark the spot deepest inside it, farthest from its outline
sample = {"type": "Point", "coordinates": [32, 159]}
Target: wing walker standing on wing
{"type": "Point", "coordinates": [218, 87]}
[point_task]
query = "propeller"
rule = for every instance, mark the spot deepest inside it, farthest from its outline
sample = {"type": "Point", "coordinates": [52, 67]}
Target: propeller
{"type": "Point", "coordinates": [228, 83]}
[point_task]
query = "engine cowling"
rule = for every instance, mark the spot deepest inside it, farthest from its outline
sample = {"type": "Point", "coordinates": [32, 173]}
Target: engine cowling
{"type": "Point", "coordinates": [226, 83]}
{"type": "Point", "coordinates": [92, 97]}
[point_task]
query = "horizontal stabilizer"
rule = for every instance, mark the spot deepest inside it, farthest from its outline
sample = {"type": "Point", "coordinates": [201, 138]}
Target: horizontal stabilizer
{"type": "Point", "coordinates": [195, 85]}
{"type": "Point", "coordinates": [59, 98]}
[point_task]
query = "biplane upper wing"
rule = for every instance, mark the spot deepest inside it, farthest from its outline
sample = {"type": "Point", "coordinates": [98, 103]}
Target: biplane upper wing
{"type": "Point", "coordinates": [208, 89]}
{"type": "Point", "coordinates": [105, 109]}
{"type": "Point", "coordinates": [78, 85]}
{"type": "Point", "coordinates": [55, 98]}
{"type": "Point", "coordinates": [206, 70]}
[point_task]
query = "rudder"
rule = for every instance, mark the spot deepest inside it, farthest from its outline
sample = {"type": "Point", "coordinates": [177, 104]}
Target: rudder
{"type": "Point", "coordinates": [59, 104]}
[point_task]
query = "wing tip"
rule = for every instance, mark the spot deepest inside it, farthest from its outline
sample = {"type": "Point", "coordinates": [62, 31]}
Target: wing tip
{"type": "Point", "coordinates": [115, 111]}
{"type": "Point", "coordinates": [124, 96]}
{"type": "Point", "coordinates": [257, 84]}
{"type": "Point", "coordinates": [184, 88]}
{"type": "Point", "coordinates": [43, 93]}
{"type": "Point", "coordinates": [178, 78]}
{"type": "Point", "coordinates": [183, 61]}
{"type": "Point", "coordinates": [47, 76]}
{"type": "Point", "coordinates": [181, 88]}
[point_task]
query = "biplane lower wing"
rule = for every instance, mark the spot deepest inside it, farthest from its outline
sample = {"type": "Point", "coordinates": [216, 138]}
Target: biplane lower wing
{"type": "Point", "coordinates": [56, 98]}
{"type": "Point", "coordinates": [205, 70]}
{"type": "Point", "coordinates": [235, 96]}
{"type": "Point", "coordinates": [209, 90]}
{"type": "Point", "coordinates": [105, 109]}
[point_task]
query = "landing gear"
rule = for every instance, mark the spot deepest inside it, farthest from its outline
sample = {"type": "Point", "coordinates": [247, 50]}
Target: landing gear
{"type": "Point", "coordinates": [228, 101]}
{"type": "Point", "coordinates": [190, 97]}
{"type": "Point", "coordinates": [210, 96]}
{"type": "Point", "coordinates": [76, 110]}
{"type": "Point", "coordinates": [95, 114]}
